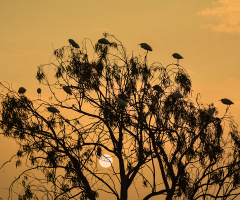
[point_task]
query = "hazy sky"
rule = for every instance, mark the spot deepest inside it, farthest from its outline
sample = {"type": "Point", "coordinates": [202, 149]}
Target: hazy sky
{"type": "Point", "coordinates": [205, 32]}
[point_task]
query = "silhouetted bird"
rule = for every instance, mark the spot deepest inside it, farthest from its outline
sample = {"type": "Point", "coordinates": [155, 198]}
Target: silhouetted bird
{"type": "Point", "coordinates": [122, 96]}
{"type": "Point", "coordinates": [53, 109]}
{"type": "Point", "coordinates": [226, 101]}
{"type": "Point", "coordinates": [158, 88]}
{"type": "Point", "coordinates": [39, 92]}
{"type": "Point", "coordinates": [73, 43]}
{"type": "Point", "coordinates": [146, 46]}
{"type": "Point", "coordinates": [67, 89]}
{"type": "Point", "coordinates": [177, 56]}
{"type": "Point", "coordinates": [121, 102]}
{"type": "Point", "coordinates": [177, 95]}
{"type": "Point", "coordinates": [21, 90]}
{"type": "Point", "coordinates": [104, 41]}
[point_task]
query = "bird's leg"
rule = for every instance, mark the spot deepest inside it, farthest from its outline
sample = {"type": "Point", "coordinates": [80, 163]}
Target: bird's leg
{"type": "Point", "coordinates": [146, 58]}
{"type": "Point", "coordinates": [226, 110]}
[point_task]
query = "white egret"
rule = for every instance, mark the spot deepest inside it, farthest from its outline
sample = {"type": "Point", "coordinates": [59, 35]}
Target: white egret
{"type": "Point", "coordinates": [121, 102]}
{"type": "Point", "coordinates": [226, 101]}
{"type": "Point", "coordinates": [73, 43]}
{"type": "Point", "coordinates": [177, 95]}
{"type": "Point", "coordinates": [146, 46]}
{"type": "Point", "coordinates": [53, 110]}
{"type": "Point", "coordinates": [21, 90]}
{"type": "Point", "coordinates": [158, 88]}
{"type": "Point", "coordinates": [104, 41]}
{"type": "Point", "coordinates": [105, 160]}
{"type": "Point", "coordinates": [39, 92]}
{"type": "Point", "coordinates": [67, 89]}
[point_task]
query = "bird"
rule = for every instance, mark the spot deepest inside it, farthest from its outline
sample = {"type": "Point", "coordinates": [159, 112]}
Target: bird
{"type": "Point", "coordinates": [53, 110]}
{"type": "Point", "coordinates": [121, 102]}
{"type": "Point", "coordinates": [146, 46]}
{"type": "Point", "coordinates": [158, 88]}
{"type": "Point", "coordinates": [67, 89]}
{"type": "Point", "coordinates": [177, 56]}
{"type": "Point", "coordinates": [73, 43]}
{"type": "Point", "coordinates": [104, 41]}
{"type": "Point", "coordinates": [226, 101]}
{"type": "Point", "coordinates": [21, 90]}
{"type": "Point", "coordinates": [177, 95]}
{"type": "Point", "coordinates": [122, 96]}
{"type": "Point", "coordinates": [39, 92]}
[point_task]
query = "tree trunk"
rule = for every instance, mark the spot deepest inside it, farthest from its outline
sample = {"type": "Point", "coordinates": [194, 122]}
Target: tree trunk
{"type": "Point", "coordinates": [87, 187]}
{"type": "Point", "coordinates": [124, 188]}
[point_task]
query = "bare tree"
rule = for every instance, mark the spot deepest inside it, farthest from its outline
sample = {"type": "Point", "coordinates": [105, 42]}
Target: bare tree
{"type": "Point", "coordinates": [140, 114]}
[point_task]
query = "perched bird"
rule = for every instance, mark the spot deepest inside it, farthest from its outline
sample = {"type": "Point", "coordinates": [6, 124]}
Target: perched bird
{"type": "Point", "coordinates": [39, 92]}
{"type": "Point", "coordinates": [67, 89]}
{"type": "Point", "coordinates": [53, 109]}
{"type": "Point", "coordinates": [177, 95]}
{"type": "Point", "coordinates": [121, 102]}
{"type": "Point", "coordinates": [226, 101]}
{"type": "Point", "coordinates": [158, 88]}
{"type": "Point", "coordinates": [146, 46]}
{"type": "Point", "coordinates": [122, 96]}
{"type": "Point", "coordinates": [21, 90]}
{"type": "Point", "coordinates": [104, 41]}
{"type": "Point", "coordinates": [73, 43]}
{"type": "Point", "coordinates": [177, 56]}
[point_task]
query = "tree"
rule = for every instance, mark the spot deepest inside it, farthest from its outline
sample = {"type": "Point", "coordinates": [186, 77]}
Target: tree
{"type": "Point", "coordinates": [141, 114]}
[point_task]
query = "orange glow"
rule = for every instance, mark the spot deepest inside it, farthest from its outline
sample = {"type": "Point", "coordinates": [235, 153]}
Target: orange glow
{"type": "Point", "coordinates": [205, 33]}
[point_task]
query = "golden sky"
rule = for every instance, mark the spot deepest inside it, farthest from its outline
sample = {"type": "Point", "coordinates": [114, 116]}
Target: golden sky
{"type": "Point", "coordinates": [205, 32]}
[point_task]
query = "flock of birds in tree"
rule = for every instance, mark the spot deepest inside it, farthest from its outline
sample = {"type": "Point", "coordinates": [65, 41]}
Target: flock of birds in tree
{"type": "Point", "coordinates": [145, 46]}
{"type": "Point", "coordinates": [120, 101]}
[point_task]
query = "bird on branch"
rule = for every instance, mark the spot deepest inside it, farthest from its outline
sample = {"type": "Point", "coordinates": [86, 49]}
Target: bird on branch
{"type": "Point", "coordinates": [53, 110]}
{"type": "Point", "coordinates": [73, 43]}
{"type": "Point", "coordinates": [104, 41]}
{"type": "Point", "coordinates": [177, 56]}
{"type": "Point", "coordinates": [146, 46]}
{"type": "Point", "coordinates": [39, 92]}
{"type": "Point", "coordinates": [21, 90]}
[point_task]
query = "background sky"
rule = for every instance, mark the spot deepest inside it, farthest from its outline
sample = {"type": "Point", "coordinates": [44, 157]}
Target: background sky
{"type": "Point", "coordinates": [205, 32]}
